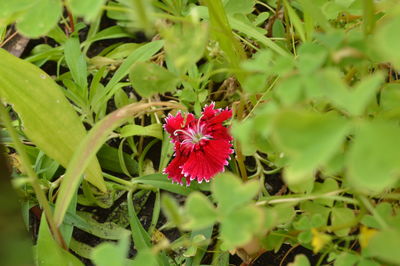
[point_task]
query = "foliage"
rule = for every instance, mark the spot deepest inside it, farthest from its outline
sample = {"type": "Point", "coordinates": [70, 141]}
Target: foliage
{"type": "Point", "coordinates": [314, 91]}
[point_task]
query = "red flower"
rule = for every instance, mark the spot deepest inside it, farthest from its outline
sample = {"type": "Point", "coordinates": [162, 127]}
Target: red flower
{"type": "Point", "coordinates": [202, 146]}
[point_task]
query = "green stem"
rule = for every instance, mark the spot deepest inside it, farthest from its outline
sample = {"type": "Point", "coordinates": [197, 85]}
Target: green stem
{"type": "Point", "coordinates": [156, 213]}
{"type": "Point", "coordinates": [119, 180]}
{"type": "Point", "coordinates": [143, 154]}
{"type": "Point", "coordinates": [33, 178]}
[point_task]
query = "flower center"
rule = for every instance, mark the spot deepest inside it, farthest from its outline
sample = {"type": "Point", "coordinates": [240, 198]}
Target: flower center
{"type": "Point", "coordinates": [194, 134]}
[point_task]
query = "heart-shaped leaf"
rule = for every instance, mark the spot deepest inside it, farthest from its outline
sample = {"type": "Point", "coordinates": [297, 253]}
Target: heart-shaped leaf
{"type": "Point", "coordinates": [231, 193]}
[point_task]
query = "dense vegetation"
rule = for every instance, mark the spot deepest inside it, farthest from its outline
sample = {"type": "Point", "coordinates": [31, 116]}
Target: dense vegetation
{"type": "Point", "coordinates": [308, 89]}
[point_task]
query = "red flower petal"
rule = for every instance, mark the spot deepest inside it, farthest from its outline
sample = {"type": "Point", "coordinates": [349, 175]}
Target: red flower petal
{"type": "Point", "coordinates": [173, 123]}
{"type": "Point", "coordinates": [174, 169]}
{"type": "Point", "coordinates": [209, 111]}
{"type": "Point", "coordinates": [205, 163]}
{"type": "Point", "coordinates": [221, 117]}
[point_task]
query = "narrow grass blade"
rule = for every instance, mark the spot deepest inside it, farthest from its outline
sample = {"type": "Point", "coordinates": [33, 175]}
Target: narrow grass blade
{"type": "Point", "coordinates": [295, 20]}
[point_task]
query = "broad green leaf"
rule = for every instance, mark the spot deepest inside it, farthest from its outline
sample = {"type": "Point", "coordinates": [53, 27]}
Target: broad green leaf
{"type": "Point", "coordinates": [385, 42]}
{"type": "Point", "coordinates": [240, 225]}
{"type": "Point", "coordinates": [328, 185]}
{"type": "Point", "coordinates": [145, 257]}
{"type": "Point", "coordinates": [289, 90]}
{"type": "Point", "coordinates": [40, 18]}
{"type": "Point", "coordinates": [149, 78]}
{"type": "Point", "coordinates": [357, 99]}
{"type": "Point", "coordinates": [189, 48]}
{"type": "Point", "coordinates": [234, 7]}
{"type": "Point", "coordinates": [384, 245]}
{"type": "Point", "coordinates": [276, 215]}
{"type": "Point", "coordinates": [230, 192]}
{"type": "Point", "coordinates": [48, 118]}
{"type": "Point", "coordinates": [8, 8]}
{"type": "Point", "coordinates": [311, 57]}
{"type": "Point", "coordinates": [373, 159]}
{"type": "Point", "coordinates": [172, 210]}
{"type": "Point", "coordinates": [49, 253]}
{"type": "Point", "coordinates": [88, 148]}
{"type": "Point", "coordinates": [76, 63]}
{"type": "Point", "coordinates": [153, 130]}
{"type": "Point", "coordinates": [390, 97]}
{"type": "Point", "coordinates": [200, 211]}
{"type": "Point", "coordinates": [112, 254]}
{"type": "Point", "coordinates": [314, 209]}
{"type": "Point", "coordinates": [342, 216]}
{"type": "Point", "coordinates": [300, 260]}
{"type": "Point", "coordinates": [345, 259]}
{"type": "Point", "coordinates": [315, 12]}
{"type": "Point", "coordinates": [317, 137]}
{"type": "Point", "coordinates": [87, 8]}
{"type": "Point", "coordinates": [384, 210]}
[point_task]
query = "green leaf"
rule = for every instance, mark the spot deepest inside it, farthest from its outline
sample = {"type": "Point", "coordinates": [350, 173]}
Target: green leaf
{"type": "Point", "coordinates": [345, 259]}
{"type": "Point", "coordinates": [108, 158]}
{"type": "Point", "coordinates": [141, 54]}
{"type": "Point", "coordinates": [48, 118]}
{"type": "Point", "coordinates": [153, 130]}
{"type": "Point", "coordinates": [231, 193]}
{"type": "Point", "coordinates": [145, 257]}
{"type": "Point", "coordinates": [40, 18]}
{"type": "Point", "coordinates": [385, 42]}
{"type": "Point", "coordinates": [235, 7]}
{"type": "Point", "coordinates": [384, 210]}
{"type": "Point", "coordinates": [76, 63]}
{"type": "Point", "coordinates": [88, 8]}
{"type": "Point", "coordinates": [8, 8]}
{"type": "Point", "coordinates": [300, 260]}
{"type": "Point", "coordinates": [373, 159]}
{"type": "Point", "coordinates": [277, 215]}
{"type": "Point", "coordinates": [240, 225]}
{"type": "Point", "coordinates": [342, 217]}
{"type": "Point", "coordinates": [172, 210]}
{"type": "Point", "coordinates": [289, 90]}
{"type": "Point", "coordinates": [85, 222]}
{"type": "Point", "coordinates": [161, 181]}
{"type": "Point", "coordinates": [149, 78]}
{"type": "Point", "coordinates": [189, 48]}
{"type": "Point", "coordinates": [49, 252]}
{"type": "Point", "coordinates": [295, 20]}
{"type": "Point", "coordinates": [140, 236]}
{"type": "Point", "coordinates": [384, 245]}
{"type": "Point", "coordinates": [200, 211]}
{"type": "Point", "coordinates": [112, 254]}
{"type": "Point", "coordinates": [317, 138]}
{"type": "Point", "coordinates": [356, 100]}
{"type": "Point", "coordinates": [328, 185]}
{"type": "Point", "coordinates": [311, 57]}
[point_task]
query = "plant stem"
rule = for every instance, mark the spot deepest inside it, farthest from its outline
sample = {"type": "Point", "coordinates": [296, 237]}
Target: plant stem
{"type": "Point", "coordinates": [33, 178]}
